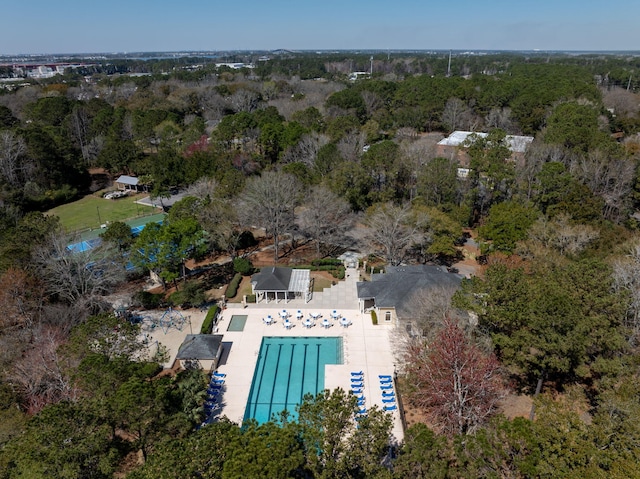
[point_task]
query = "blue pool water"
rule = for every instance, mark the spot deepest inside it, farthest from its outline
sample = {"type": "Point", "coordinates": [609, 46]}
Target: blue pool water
{"type": "Point", "coordinates": [287, 369]}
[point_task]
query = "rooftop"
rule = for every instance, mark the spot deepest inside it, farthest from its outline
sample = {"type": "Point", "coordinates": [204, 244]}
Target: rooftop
{"type": "Point", "coordinates": [517, 144]}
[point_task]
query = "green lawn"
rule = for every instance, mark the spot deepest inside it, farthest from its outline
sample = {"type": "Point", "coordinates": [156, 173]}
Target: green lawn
{"type": "Point", "coordinates": [92, 211]}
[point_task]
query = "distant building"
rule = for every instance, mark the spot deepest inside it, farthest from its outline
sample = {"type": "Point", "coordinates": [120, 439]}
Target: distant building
{"type": "Point", "coordinates": [451, 147]}
{"type": "Point", "coordinates": [235, 66]}
{"type": "Point", "coordinates": [130, 183]}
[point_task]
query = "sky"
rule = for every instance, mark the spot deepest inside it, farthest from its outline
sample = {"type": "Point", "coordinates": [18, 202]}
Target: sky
{"type": "Point", "coordinates": [87, 26]}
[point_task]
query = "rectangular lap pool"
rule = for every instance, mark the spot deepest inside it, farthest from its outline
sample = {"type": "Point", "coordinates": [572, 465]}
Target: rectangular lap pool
{"type": "Point", "coordinates": [287, 369]}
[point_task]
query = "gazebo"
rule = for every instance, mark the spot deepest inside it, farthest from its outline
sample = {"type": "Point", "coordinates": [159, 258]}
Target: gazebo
{"type": "Point", "coordinates": [276, 283]}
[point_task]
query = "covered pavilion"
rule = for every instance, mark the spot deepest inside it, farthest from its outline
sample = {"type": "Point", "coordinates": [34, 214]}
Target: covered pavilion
{"type": "Point", "coordinates": [278, 283]}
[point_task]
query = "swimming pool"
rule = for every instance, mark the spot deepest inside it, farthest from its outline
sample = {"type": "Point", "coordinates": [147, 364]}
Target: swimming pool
{"type": "Point", "coordinates": [237, 322]}
{"type": "Point", "coordinates": [286, 370]}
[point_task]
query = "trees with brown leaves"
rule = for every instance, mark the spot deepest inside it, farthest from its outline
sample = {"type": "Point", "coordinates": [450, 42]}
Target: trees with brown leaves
{"type": "Point", "coordinates": [457, 383]}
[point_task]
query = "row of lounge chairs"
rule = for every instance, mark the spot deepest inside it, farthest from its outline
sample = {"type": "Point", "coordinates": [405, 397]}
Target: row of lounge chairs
{"type": "Point", "coordinates": [357, 387]}
{"type": "Point", "coordinates": [214, 391]}
{"type": "Point", "coordinates": [388, 394]}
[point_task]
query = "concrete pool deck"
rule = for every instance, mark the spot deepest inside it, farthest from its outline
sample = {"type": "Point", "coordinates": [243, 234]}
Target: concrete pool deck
{"type": "Point", "coordinates": [366, 347]}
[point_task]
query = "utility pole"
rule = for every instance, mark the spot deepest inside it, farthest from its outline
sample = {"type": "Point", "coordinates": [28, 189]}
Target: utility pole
{"type": "Point", "coordinates": [449, 65]}
{"type": "Point", "coordinates": [371, 71]}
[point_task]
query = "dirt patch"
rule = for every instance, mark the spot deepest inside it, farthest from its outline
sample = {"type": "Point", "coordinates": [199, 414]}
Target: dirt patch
{"type": "Point", "coordinates": [516, 405]}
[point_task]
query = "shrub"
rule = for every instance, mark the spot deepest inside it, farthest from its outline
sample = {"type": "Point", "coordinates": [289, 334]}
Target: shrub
{"type": "Point", "coordinates": [251, 298]}
{"type": "Point", "coordinates": [374, 317]}
{"type": "Point", "coordinates": [338, 273]}
{"type": "Point", "coordinates": [191, 294]}
{"type": "Point", "coordinates": [232, 289]}
{"type": "Point", "coordinates": [326, 262]}
{"type": "Point", "coordinates": [207, 324]}
{"type": "Point", "coordinates": [246, 240]}
{"type": "Point", "coordinates": [148, 300]}
{"type": "Point", "coordinates": [242, 266]}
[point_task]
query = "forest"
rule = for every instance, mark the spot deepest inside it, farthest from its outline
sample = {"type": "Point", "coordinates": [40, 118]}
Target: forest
{"type": "Point", "coordinates": [298, 149]}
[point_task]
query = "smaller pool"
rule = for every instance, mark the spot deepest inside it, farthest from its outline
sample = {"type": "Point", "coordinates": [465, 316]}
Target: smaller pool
{"type": "Point", "coordinates": [237, 322]}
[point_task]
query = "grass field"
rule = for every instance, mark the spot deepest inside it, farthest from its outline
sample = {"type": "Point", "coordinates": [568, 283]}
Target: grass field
{"type": "Point", "coordinates": [93, 211]}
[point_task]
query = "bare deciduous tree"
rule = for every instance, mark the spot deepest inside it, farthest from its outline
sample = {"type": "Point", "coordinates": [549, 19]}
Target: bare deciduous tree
{"type": "Point", "coordinates": [80, 130]}
{"type": "Point", "coordinates": [325, 217]}
{"type": "Point", "coordinates": [456, 114]}
{"type": "Point", "coordinates": [244, 100]}
{"type": "Point", "coordinates": [78, 277]}
{"type": "Point", "coordinates": [202, 188]}
{"type": "Point", "coordinates": [429, 310]}
{"type": "Point", "coordinates": [610, 178]}
{"type": "Point", "coordinates": [269, 201]}
{"type": "Point", "coordinates": [500, 118]}
{"type": "Point", "coordinates": [306, 150]}
{"type": "Point", "coordinates": [562, 235]}
{"type": "Point", "coordinates": [14, 166]}
{"type": "Point", "coordinates": [39, 374]}
{"type": "Point", "coordinates": [391, 231]}
{"type": "Point", "coordinates": [21, 299]}
{"type": "Point", "coordinates": [626, 277]}
{"type": "Point", "coordinates": [624, 103]}
{"type": "Point", "coordinates": [351, 145]}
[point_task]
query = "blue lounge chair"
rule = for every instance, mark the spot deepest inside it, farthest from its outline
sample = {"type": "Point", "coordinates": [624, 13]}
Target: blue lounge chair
{"type": "Point", "coordinates": [392, 407]}
{"type": "Point", "coordinates": [388, 394]}
{"type": "Point", "coordinates": [216, 381]}
{"type": "Point", "coordinates": [385, 376]}
{"type": "Point", "coordinates": [386, 381]}
{"type": "Point", "coordinates": [356, 391]}
{"type": "Point", "coordinates": [357, 385]}
{"type": "Point", "coordinates": [389, 400]}
{"type": "Point", "coordinates": [357, 373]}
{"type": "Point", "coordinates": [386, 386]}
{"type": "Point", "coordinates": [216, 374]}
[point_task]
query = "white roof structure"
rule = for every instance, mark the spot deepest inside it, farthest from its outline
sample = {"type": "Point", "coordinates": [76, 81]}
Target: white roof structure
{"type": "Point", "coordinates": [517, 144]}
{"type": "Point", "coordinates": [127, 180]}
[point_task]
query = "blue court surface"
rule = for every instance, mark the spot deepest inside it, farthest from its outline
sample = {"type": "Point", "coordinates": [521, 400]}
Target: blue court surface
{"type": "Point", "coordinates": [287, 369]}
{"type": "Point", "coordinates": [84, 245]}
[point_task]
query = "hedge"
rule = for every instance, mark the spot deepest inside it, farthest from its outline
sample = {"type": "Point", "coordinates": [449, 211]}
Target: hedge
{"type": "Point", "coordinates": [326, 262]}
{"type": "Point", "coordinates": [232, 289]}
{"type": "Point", "coordinates": [251, 298]}
{"type": "Point", "coordinates": [207, 324]}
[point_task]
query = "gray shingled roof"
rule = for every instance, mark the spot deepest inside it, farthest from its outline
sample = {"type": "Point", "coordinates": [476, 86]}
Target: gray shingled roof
{"type": "Point", "coordinates": [395, 288]}
{"type": "Point", "coordinates": [200, 346]}
{"type": "Point", "coordinates": [272, 278]}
